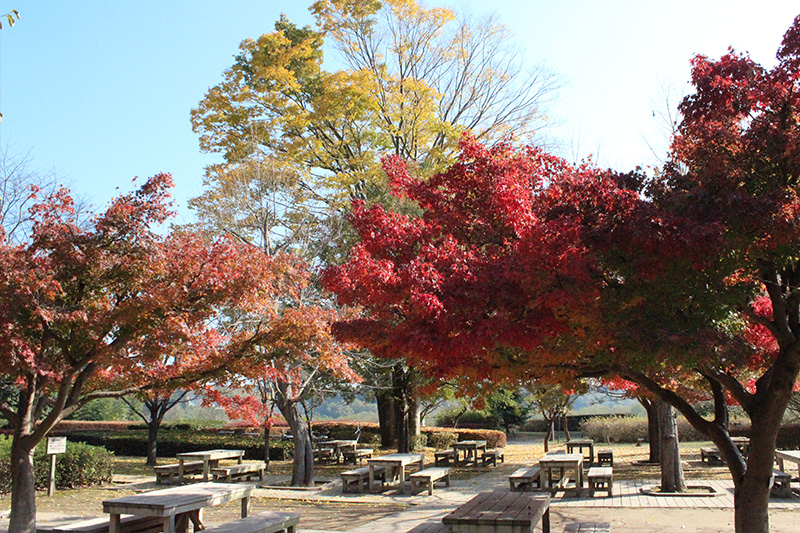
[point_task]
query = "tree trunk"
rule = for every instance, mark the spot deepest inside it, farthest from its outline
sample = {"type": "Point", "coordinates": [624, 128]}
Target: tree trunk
{"type": "Point", "coordinates": [303, 465]}
{"type": "Point", "coordinates": [653, 431]}
{"type": "Point", "coordinates": [672, 478]}
{"type": "Point", "coordinates": [23, 489]}
{"type": "Point", "coordinates": [386, 418]}
{"type": "Point", "coordinates": [415, 418]}
{"type": "Point", "coordinates": [548, 435]}
{"type": "Point", "coordinates": [400, 386]}
{"type": "Point", "coordinates": [565, 423]}
{"type": "Point", "coordinates": [266, 445]}
{"type": "Point", "coordinates": [152, 441]}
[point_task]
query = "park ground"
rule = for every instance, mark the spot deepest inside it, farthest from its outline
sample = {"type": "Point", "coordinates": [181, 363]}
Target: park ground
{"type": "Point", "coordinates": [328, 509]}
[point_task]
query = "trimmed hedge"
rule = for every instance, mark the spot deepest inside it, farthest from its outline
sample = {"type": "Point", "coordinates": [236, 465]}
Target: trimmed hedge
{"type": "Point", "coordinates": [174, 441]}
{"type": "Point", "coordinates": [80, 466]}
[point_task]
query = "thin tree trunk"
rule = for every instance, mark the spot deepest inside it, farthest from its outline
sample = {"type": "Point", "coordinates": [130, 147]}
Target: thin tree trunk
{"type": "Point", "coordinates": [565, 423]}
{"type": "Point", "coordinates": [266, 444]}
{"type": "Point", "coordinates": [548, 435]}
{"type": "Point", "coordinates": [23, 489]}
{"type": "Point", "coordinates": [672, 478]}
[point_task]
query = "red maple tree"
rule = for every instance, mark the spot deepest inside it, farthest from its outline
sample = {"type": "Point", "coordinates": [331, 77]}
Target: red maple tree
{"type": "Point", "coordinates": [522, 266]}
{"type": "Point", "coordinates": [88, 310]}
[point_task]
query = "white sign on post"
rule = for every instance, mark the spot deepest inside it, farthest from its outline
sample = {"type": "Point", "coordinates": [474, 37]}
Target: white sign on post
{"type": "Point", "coordinates": [56, 445]}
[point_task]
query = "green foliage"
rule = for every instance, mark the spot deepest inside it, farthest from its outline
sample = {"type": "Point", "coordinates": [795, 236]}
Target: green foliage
{"type": "Point", "coordinates": [81, 466]}
{"type": "Point", "coordinates": [508, 408]}
{"type": "Point", "coordinates": [104, 409]}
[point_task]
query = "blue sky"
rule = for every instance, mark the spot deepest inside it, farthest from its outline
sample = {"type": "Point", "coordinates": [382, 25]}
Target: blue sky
{"type": "Point", "coordinates": [100, 91]}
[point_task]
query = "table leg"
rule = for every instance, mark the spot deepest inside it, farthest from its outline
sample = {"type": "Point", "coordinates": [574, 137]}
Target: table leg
{"type": "Point", "coordinates": [169, 524]}
{"type": "Point", "coordinates": [546, 521]}
{"type": "Point", "coordinates": [180, 471]}
{"type": "Point", "coordinates": [239, 459]}
{"type": "Point", "coordinates": [371, 477]}
{"type": "Point", "coordinates": [402, 470]}
{"type": "Point", "coordinates": [205, 468]}
{"type": "Point", "coordinates": [113, 523]}
{"type": "Point", "coordinates": [245, 506]}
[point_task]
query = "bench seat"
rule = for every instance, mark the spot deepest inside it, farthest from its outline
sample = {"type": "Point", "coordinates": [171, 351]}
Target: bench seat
{"type": "Point", "coordinates": [267, 522]}
{"type": "Point", "coordinates": [605, 457]}
{"type": "Point", "coordinates": [356, 455]}
{"type": "Point", "coordinates": [780, 484]}
{"type": "Point", "coordinates": [525, 479]}
{"type": "Point", "coordinates": [427, 477]}
{"type": "Point", "coordinates": [443, 457]}
{"type": "Point", "coordinates": [170, 472]}
{"type": "Point", "coordinates": [359, 477]}
{"type": "Point", "coordinates": [601, 478]}
{"type": "Point", "coordinates": [129, 523]}
{"type": "Point", "coordinates": [492, 456]}
{"type": "Point", "coordinates": [710, 455]}
{"type": "Point", "coordinates": [588, 527]}
{"type": "Point", "coordinates": [244, 470]}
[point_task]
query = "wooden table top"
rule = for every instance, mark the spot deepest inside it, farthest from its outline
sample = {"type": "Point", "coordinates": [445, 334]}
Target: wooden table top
{"type": "Point", "coordinates": [177, 500]}
{"type": "Point", "coordinates": [211, 455]}
{"type": "Point", "coordinates": [580, 442]}
{"type": "Point", "coordinates": [403, 458]}
{"type": "Point", "coordinates": [469, 443]}
{"type": "Point", "coordinates": [500, 509]}
{"type": "Point", "coordinates": [561, 458]}
{"type": "Point", "coordinates": [788, 455]}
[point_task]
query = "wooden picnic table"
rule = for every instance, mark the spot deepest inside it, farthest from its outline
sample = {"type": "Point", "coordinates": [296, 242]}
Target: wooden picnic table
{"type": "Point", "coordinates": [743, 443]}
{"type": "Point", "coordinates": [336, 446]}
{"type": "Point", "coordinates": [793, 456]}
{"type": "Point", "coordinates": [470, 449]}
{"type": "Point", "coordinates": [565, 462]}
{"type": "Point", "coordinates": [178, 506]}
{"type": "Point", "coordinates": [210, 458]}
{"type": "Point", "coordinates": [501, 511]}
{"type": "Point", "coordinates": [580, 444]}
{"type": "Point", "coordinates": [395, 463]}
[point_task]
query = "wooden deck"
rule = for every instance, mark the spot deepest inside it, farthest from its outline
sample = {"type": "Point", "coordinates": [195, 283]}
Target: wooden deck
{"type": "Point", "coordinates": [628, 494]}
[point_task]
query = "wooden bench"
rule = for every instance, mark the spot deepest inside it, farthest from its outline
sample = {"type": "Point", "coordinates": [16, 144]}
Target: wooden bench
{"type": "Point", "coordinates": [443, 457]}
{"type": "Point", "coordinates": [242, 471]}
{"type": "Point", "coordinates": [491, 456]}
{"type": "Point", "coordinates": [267, 522]}
{"type": "Point", "coordinates": [426, 478]}
{"type": "Point", "coordinates": [324, 453]}
{"type": "Point", "coordinates": [605, 457]}
{"type": "Point", "coordinates": [710, 455]}
{"type": "Point", "coordinates": [601, 478]}
{"type": "Point", "coordinates": [128, 523]}
{"type": "Point", "coordinates": [355, 455]}
{"type": "Point", "coordinates": [360, 477]}
{"type": "Point", "coordinates": [524, 479]}
{"type": "Point", "coordinates": [170, 472]}
{"type": "Point", "coordinates": [780, 484]}
{"type": "Point", "coordinates": [588, 527]}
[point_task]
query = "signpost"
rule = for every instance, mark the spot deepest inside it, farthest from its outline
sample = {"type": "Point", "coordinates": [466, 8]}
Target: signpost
{"type": "Point", "coordinates": [55, 445]}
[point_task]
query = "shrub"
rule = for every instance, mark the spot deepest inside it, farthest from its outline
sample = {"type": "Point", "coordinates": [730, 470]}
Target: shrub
{"type": "Point", "coordinates": [419, 442]}
{"type": "Point", "coordinates": [493, 438]}
{"type": "Point", "coordinates": [80, 466]}
{"type": "Point", "coordinates": [631, 428]}
{"type": "Point", "coordinates": [441, 440]}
